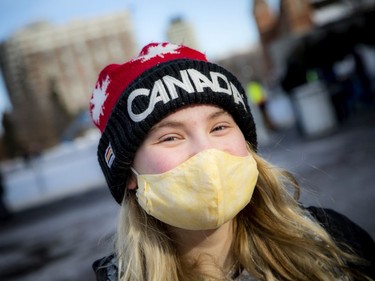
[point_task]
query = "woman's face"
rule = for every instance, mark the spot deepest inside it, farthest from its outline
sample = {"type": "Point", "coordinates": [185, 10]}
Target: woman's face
{"type": "Point", "coordinates": [183, 134]}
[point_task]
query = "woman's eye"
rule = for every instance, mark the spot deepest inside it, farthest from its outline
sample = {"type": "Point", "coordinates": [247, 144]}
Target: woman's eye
{"type": "Point", "coordinates": [168, 138]}
{"type": "Point", "coordinates": [219, 128]}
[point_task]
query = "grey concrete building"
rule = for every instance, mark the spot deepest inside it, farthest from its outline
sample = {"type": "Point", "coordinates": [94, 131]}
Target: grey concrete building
{"type": "Point", "coordinates": [50, 71]}
{"type": "Point", "coordinates": [181, 31]}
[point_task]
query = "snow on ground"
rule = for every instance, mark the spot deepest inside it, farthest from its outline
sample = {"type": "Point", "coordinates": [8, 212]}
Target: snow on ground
{"type": "Point", "coordinates": [66, 169]}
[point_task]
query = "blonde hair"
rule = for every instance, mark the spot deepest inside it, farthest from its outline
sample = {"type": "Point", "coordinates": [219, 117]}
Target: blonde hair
{"type": "Point", "coordinates": [274, 239]}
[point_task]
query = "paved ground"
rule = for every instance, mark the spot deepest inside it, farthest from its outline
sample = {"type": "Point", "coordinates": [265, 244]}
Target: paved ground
{"type": "Point", "coordinates": [59, 241]}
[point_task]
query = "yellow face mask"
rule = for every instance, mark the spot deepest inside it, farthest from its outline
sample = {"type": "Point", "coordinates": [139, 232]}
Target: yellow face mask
{"type": "Point", "coordinates": [204, 192]}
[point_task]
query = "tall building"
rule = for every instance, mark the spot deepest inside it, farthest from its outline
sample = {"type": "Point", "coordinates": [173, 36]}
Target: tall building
{"type": "Point", "coordinates": [301, 24]}
{"type": "Point", "coordinates": [294, 18]}
{"type": "Point", "coordinates": [266, 20]}
{"type": "Point", "coordinates": [50, 71]}
{"type": "Point", "coordinates": [182, 32]}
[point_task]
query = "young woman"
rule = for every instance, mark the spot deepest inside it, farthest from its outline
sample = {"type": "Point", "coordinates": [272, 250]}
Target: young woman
{"type": "Point", "coordinates": [179, 153]}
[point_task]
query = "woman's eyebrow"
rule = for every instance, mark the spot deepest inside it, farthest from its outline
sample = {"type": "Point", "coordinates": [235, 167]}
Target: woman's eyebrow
{"type": "Point", "coordinates": [218, 113]}
{"type": "Point", "coordinates": [163, 124]}
{"type": "Point", "coordinates": [179, 124]}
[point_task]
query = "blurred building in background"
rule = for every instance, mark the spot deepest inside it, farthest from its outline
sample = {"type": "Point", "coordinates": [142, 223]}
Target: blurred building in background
{"type": "Point", "coordinates": [293, 17]}
{"type": "Point", "coordinates": [181, 31]}
{"type": "Point", "coordinates": [50, 71]}
{"type": "Point", "coordinates": [246, 65]}
{"type": "Point", "coordinates": [298, 26]}
{"type": "Point", "coordinates": [320, 44]}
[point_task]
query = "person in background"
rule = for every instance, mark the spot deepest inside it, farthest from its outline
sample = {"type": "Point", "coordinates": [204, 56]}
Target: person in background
{"type": "Point", "coordinates": [178, 149]}
{"type": "Point", "coordinates": [5, 214]}
{"type": "Point", "coordinates": [257, 95]}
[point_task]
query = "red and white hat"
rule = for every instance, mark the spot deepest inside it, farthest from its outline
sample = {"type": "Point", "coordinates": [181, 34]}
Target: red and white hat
{"type": "Point", "coordinates": [130, 98]}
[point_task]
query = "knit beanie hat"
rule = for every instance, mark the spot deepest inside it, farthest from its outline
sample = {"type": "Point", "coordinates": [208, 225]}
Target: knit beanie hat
{"type": "Point", "coordinates": [130, 98]}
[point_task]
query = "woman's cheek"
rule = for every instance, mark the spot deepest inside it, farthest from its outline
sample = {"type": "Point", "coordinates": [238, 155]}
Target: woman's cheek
{"type": "Point", "coordinates": [160, 164]}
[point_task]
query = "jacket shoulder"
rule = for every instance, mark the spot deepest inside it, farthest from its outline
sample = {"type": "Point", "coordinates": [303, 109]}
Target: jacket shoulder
{"type": "Point", "coordinates": [345, 231]}
{"type": "Point", "coordinates": [106, 268]}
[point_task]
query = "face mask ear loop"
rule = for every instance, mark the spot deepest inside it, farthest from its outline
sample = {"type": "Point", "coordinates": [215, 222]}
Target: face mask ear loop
{"type": "Point", "coordinates": [134, 171]}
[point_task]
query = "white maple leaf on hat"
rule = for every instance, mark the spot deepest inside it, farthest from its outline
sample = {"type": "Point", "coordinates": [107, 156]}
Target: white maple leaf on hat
{"type": "Point", "coordinates": [99, 96]}
{"type": "Point", "coordinates": [159, 51]}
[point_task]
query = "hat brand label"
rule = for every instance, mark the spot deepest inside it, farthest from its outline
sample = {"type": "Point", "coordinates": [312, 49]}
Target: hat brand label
{"type": "Point", "coordinates": [192, 81]}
